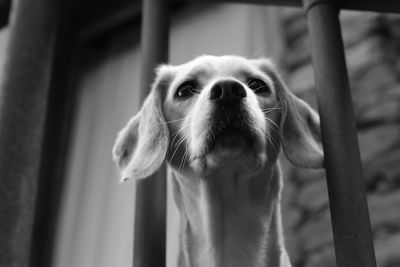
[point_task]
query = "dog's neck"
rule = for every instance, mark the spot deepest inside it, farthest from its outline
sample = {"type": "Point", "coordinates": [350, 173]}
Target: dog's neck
{"type": "Point", "coordinates": [226, 220]}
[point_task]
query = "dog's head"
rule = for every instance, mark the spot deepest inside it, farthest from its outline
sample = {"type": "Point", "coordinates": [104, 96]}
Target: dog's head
{"type": "Point", "coordinates": [218, 112]}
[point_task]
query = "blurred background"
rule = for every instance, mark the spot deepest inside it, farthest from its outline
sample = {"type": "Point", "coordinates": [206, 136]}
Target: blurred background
{"type": "Point", "coordinates": [93, 214]}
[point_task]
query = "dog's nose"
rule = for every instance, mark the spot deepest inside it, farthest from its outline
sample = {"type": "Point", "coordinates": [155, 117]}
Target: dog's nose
{"type": "Point", "coordinates": [227, 92]}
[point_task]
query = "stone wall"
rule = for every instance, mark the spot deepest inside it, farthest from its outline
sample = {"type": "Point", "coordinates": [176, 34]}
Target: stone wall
{"type": "Point", "coordinates": [372, 44]}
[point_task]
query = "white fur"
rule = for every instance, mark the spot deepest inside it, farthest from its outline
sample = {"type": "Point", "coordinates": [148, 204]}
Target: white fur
{"type": "Point", "coordinates": [227, 193]}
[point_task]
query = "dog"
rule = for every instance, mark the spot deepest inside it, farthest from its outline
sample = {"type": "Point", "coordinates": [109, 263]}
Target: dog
{"type": "Point", "coordinates": [220, 123]}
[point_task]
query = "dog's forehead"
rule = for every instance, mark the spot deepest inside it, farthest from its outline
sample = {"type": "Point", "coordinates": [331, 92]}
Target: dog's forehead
{"type": "Point", "coordinates": [211, 66]}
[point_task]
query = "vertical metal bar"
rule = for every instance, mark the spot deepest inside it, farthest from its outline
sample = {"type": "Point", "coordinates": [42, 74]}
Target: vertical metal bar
{"type": "Point", "coordinates": [150, 211]}
{"type": "Point", "coordinates": [23, 106]}
{"type": "Point", "coordinates": [348, 204]}
{"type": "Point", "coordinates": [57, 135]}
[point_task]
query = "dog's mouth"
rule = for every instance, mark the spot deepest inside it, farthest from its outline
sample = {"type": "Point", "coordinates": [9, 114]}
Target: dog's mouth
{"type": "Point", "coordinates": [230, 130]}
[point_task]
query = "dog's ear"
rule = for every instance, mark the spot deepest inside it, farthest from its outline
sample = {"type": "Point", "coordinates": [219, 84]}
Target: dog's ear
{"type": "Point", "coordinates": [301, 136]}
{"type": "Point", "coordinates": [300, 127]}
{"type": "Point", "coordinates": [141, 145]}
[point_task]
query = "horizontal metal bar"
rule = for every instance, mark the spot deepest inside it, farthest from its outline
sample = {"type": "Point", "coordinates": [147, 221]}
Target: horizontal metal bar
{"type": "Point", "coordinates": [130, 11]}
{"type": "Point", "coordinates": [389, 6]}
{"type": "Point", "coordinates": [103, 22]}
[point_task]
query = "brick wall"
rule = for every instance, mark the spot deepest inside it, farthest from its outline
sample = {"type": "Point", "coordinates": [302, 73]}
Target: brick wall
{"type": "Point", "coordinates": [372, 44]}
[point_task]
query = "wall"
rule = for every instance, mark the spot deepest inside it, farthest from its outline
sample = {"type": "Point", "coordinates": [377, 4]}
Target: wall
{"type": "Point", "coordinates": [372, 48]}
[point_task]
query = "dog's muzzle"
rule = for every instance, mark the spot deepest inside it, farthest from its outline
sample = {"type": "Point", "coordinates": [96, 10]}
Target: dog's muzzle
{"type": "Point", "coordinates": [230, 122]}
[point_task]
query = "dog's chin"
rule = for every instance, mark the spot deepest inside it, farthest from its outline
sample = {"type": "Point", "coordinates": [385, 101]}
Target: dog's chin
{"type": "Point", "coordinates": [233, 152]}
{"type": "Point", "coordinates": [234, 143]}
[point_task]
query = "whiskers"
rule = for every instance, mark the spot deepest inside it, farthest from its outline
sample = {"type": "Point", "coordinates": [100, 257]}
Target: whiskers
{"type": "Point", "coordinates": [179, 145]}
{"type": "Point", "coordinates": [183, 137]}
{"type": "Point", "coordinates": [259, 52]}
{"type": "Point", "coordinates": [172, 121]}
{"type": "Point", "coordinates": [260, 88]}
{"type": "Point", "coordinates": [273, 126]}
{"type": "Point", "coordinates": [269, 110]}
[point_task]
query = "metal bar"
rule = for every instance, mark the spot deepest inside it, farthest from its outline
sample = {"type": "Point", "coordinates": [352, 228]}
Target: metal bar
{"type": "Point", "coordinates": [130, 10]}
{"type": "Point", "coordinates": [104, 21]}
{"type": "Point", "coordinates": [57, 137]}
{"type": "Point", "coordinates": [363, 5]}
{"type": "Point", "coordinates": [23, 105]}
{"type": "Point", "coordinates": [389, 6]}
{"type": "Point", "coordinates": [347, 197]}
{"type": "Point", "coordinates": [150, 211]}
{"type": "Point", "coordinates": [5, 7]}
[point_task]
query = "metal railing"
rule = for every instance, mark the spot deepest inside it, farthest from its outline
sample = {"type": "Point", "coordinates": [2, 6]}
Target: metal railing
{"type": "Point", "coordinates": [23, 107]}
{"type": "Point", "coordinates": [24, 98]}
{"type": "Point", "coordinates": [150, 211]}
{"type": "Point", "coordinates": [347, 197]}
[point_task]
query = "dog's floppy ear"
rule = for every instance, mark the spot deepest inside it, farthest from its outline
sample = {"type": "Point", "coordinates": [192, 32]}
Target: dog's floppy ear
{"type": "Point", "coordinates": [300, 127]}
{"type": "Point", "coordinates": [142, 144]}
{"type": "Point", "coordinates": [301, 136]}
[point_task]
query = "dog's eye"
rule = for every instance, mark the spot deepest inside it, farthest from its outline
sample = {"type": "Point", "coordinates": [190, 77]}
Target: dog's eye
{"type": "Point", "coordinates": [258, 86]}
{"type": "Point", "coordinates": [186, 89]}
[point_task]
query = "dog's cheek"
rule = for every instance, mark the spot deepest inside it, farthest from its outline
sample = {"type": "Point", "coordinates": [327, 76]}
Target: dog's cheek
{"type": "Point", "coordinates": [257, 117]}
{"type": "Point", "coordinates": [199, 121]}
